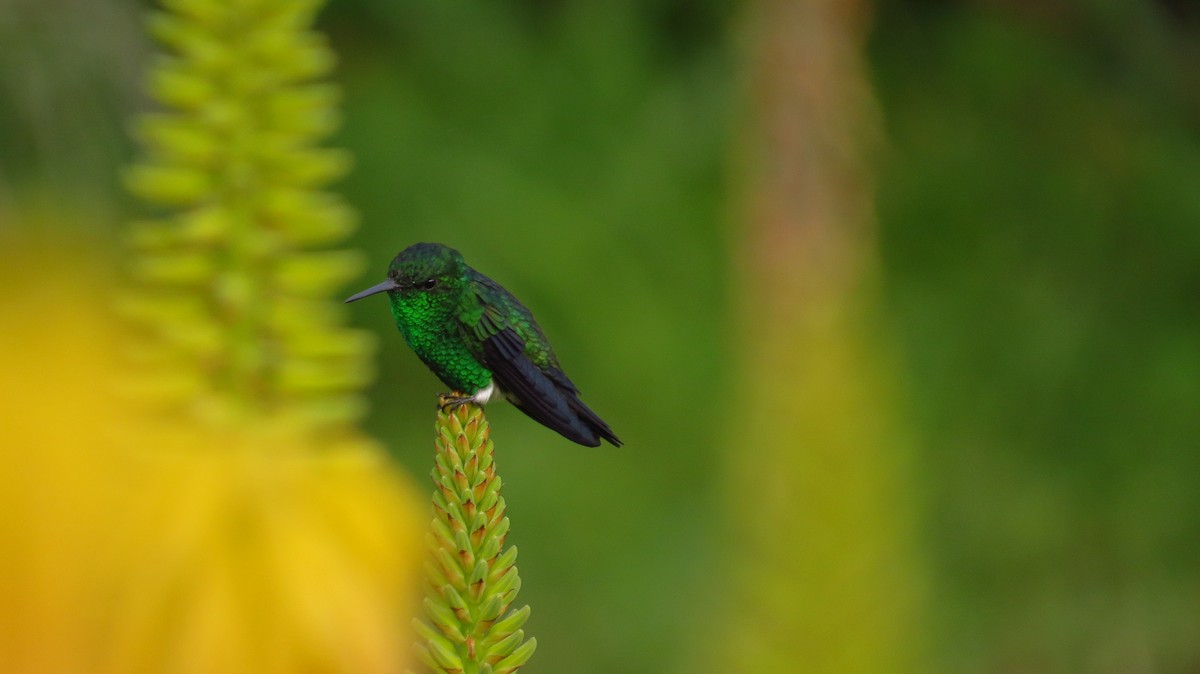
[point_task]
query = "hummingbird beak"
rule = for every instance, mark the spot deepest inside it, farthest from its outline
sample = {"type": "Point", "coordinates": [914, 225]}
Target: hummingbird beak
{"type": "Point", "coordinates": [380, 288]}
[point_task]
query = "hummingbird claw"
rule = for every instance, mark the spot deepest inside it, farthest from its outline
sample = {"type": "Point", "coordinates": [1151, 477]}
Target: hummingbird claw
{"type": "Point", "coordinates": [452, 401]}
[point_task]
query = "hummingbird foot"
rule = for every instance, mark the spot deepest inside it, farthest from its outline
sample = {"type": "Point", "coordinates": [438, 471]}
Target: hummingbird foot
{"type": "Point", "coordinates": [453, 400]}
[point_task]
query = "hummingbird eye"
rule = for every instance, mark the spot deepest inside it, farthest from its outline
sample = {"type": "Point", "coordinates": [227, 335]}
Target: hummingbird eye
{"type": "Point", "coordinates": [430, 284]}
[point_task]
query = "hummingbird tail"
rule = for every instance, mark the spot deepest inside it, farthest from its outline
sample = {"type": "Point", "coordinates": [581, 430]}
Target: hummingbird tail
{"type": "Point", "coordinates": [546, 395]}
{"type": "Point", "coordinates": [592, 421]}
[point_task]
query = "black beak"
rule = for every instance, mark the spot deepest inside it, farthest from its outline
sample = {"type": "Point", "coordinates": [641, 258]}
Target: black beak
{"type": "Point", "coordinates": [380, 288]}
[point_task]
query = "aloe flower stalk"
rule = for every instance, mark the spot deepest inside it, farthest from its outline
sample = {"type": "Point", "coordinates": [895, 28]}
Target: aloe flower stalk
{"type": "Point", "coordinates": [473, 579]}
{"type": "Point", "coordinates": [826, 577]}
{"type": "Point", "coordinates": [232, 290]}
{"type": "Point", "coordinates": [261, 530]}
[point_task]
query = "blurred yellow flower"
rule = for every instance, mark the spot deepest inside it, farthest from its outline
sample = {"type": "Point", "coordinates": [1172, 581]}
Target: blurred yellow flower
{"type": "Point", "coordinates": [283, 556]}
{"type": "Point", "coordinates": [187, 492]}
{"type": "Point", "coordinates": [128, 545]}
{"type": "Point", "coordinates": [56, 486]}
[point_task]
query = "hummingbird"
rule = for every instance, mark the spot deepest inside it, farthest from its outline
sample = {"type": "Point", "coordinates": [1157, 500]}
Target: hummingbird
{"type": "Point", "coordinates": [480, 340]}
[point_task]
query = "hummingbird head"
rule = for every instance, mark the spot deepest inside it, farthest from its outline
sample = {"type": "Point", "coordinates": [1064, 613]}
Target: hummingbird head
{"type": "Point", "coordinates": [427, 267]}
{"type": "Point", "coordinates": [423, 283]}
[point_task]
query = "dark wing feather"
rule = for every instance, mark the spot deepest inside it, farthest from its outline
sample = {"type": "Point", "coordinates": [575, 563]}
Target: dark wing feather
{"type": "Point", "coordinates": [543, 393]}
{"type": "Point", "coordinates": [590, 418]}
{"type": "Point", "coordinates": [531, 390]}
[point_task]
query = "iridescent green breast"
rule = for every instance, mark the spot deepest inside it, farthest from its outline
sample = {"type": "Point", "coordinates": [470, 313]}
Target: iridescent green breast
{"type": "Point", "coordinates": [438, 341]}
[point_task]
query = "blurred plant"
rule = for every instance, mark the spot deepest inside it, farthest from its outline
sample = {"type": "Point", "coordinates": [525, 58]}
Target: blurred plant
{"type": "Point", "coordinates": [239, 522]}
{"type": "Point", "coordinates": [129, 546]}
{"type": "Point", "coordinates": [472, 579]}
{"type": "Point", "coordinates": [234, 309]}
{"type": "Point", "coordinates": [288, 539]}
{"type": "Point", "coordinates": [826, 578]}
{"type": "Point", "coordinates": [58, 477]}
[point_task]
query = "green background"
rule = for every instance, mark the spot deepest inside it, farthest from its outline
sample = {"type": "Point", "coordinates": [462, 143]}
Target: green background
{"type": "Point", "coordinates": [1038, 207]}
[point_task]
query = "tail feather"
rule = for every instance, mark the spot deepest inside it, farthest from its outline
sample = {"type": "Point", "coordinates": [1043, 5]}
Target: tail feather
{"type": "Point", "coordinates": [593, 421]}
{"type": "Point", "coordinates": [572, 429]}
{"type": "Point", "coordinates": [545, 395]}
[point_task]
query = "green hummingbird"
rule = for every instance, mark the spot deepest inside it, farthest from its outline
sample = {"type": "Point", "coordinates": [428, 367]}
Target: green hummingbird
{"type": "Point", "coordinates": [480, 340]}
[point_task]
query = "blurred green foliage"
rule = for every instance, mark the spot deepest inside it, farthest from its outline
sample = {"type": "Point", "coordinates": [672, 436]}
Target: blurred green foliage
{"type": "Point", "coordinates": [1040, 231]}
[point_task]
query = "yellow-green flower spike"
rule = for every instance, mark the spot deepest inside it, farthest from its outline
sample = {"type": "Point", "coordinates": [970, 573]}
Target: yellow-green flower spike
{"type": "Point", "coordinates": [231, 298]}
{"type": "Point", "coordinates": [260, 530]}
{"type": "Point", "coordinates": [472, 578]}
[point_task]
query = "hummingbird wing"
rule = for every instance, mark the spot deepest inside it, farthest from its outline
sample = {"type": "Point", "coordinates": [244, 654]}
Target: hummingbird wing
{"type": "Point", "coordinates": [530, 390]}
{"type": "Point", "coordinates": [542, 391]}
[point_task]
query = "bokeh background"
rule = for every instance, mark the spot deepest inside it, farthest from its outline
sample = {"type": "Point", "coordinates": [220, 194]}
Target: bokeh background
{"type": "Point", "coordinates": [1024, 281]}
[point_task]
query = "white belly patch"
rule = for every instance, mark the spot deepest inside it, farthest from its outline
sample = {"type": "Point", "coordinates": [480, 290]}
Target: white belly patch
{"type": "Point", "coordinates": [483, 395]}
